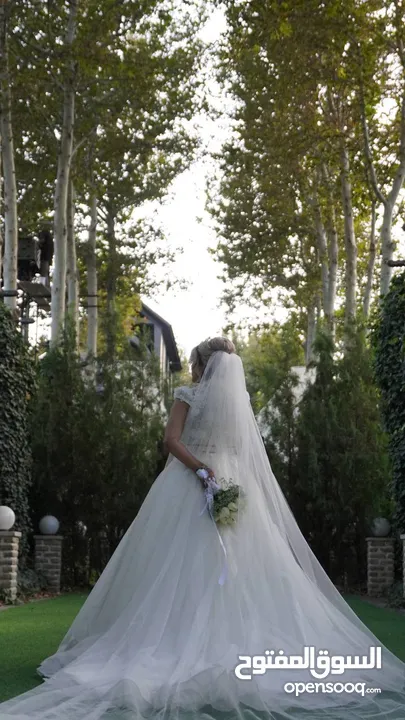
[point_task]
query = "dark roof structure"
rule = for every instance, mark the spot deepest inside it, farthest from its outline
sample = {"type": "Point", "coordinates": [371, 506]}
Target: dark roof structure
{"type": "Point", "coordinates": [168, 336]}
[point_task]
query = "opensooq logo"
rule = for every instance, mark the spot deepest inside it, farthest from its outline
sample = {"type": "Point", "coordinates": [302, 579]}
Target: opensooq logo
{"type": "Point", "coordinates": [320, 665]}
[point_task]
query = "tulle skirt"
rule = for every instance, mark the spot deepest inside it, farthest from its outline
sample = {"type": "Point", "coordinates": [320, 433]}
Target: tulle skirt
{"type": "Point", "coordinates": [159, 637]}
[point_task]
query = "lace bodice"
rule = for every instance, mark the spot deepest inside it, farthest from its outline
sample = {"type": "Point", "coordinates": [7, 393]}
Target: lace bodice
{"type": "Point", "coordinates": [185, 393]}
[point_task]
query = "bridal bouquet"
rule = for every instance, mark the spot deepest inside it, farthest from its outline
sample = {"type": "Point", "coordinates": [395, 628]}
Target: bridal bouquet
{"type": "Point", "coordinates": [228, 502]}
{"type": "Point", "coordinates": [224, 500]}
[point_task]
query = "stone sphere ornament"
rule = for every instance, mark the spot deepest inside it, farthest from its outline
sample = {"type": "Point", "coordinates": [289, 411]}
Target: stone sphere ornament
{"type": "Point", "coordinates": [380, 527]}
{"type": "Point", "coordinates": [49, 525]}
{"type": "Point", "coordinates": [7, 517]}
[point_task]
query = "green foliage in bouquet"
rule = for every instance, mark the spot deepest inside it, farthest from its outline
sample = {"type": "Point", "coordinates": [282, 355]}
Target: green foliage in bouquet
{"type": "Point", "coordinates": [228, 502]}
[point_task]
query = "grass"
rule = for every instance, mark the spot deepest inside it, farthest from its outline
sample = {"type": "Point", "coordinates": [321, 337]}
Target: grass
{"type": "Point", "coordinates": [388, 625]}
{"type": "Point", "coordinates": [32, 632]}
{"type": "Point", "coordinates": [29, 634]}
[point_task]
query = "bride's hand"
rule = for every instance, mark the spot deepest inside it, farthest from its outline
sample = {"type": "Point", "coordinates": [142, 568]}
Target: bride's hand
{"type": "Point", "coordinates": [211, 475]}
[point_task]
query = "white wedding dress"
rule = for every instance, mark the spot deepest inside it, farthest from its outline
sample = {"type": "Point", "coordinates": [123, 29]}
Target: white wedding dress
{"type": "Point", "coordinates": [159, 637]}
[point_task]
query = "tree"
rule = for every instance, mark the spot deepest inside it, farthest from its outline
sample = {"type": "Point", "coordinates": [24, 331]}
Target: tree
{"type": "Point", "coordinates": [138, 247]}
{"type": "Point", "coordinates": [391, 38]}
{"type": "Point", "coordinates": [10, 252]}
{"type": "Point", "coordinates": [120, 419]}
{"type": "Point", "coordinates": [183, 377]}
{"type": "Point", "coordinates": [341, 465]}
{"type": "Point", "coordinates": [69, 75]}
{"type": "Point", "coordinates": [389, 341]}
{"type": "Point", "coordinates": [92, 285]}
{"type": "Point", "coordinates": [17, 385]}
{"type": "Point", "coordinates": [268, 354]}
{"type": "Point", "coordinates": [72, 270]}
{"type": "Point", "coordinates": [81, 59]}
{"type": "Point", "coordinates": [295, 213]}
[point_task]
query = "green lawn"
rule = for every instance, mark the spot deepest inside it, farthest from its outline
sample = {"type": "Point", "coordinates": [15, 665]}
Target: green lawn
{"type": "Point", "coordinates": [32, 632]}
{"type": "Point", "coordinates": [387, 625]}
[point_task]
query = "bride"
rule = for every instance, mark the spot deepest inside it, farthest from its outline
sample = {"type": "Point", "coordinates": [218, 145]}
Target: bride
{"type": "Point", "coordinates": [189, 618]}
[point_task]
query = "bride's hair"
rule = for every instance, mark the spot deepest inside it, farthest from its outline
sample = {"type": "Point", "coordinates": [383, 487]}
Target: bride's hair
{"type": "Point", "coordinates": [201, 353]}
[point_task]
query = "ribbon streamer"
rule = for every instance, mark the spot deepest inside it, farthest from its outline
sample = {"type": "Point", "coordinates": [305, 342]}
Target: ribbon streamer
{"type": "Point", "coordinates": [211, 489]}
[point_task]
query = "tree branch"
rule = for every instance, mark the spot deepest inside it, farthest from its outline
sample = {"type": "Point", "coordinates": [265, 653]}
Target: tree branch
{"type": "Point", "coordinates": [399, 175]}
{"type": "Point", "coordinates": [366, 136]}
{"type": "Point", "coordinates": [83, 140]}
{"type": "Point", "coordinates": [400, 42]}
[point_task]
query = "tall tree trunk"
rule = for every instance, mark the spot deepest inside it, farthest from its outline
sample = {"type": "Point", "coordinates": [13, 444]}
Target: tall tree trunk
{"type": "Point", "coordinates": [350, 237]}
{"type": "Point", "coordinates": [311, 330]}
{"type": "Point", "coordinates": [371, 264]}
{"type": "Point", "coordinates": [92, 312]}
{"type": "Point", "coordinates": [333, 251]}
{"type": "Point", "coordinates": [333, 254]}
{"type": "Point", "coordinates": [387, 244]}
{"type": "Point", "coordinates": [10, 252]}
{"type": "Point", "coordinates": [72, 271]}
{"type": "Point", "coordinates": [112, 269]}
{"type": "Point", "coordinates": [327, 248]}
{"type": "Point", "coordinates": [322, 247]}
{"type": "Point", "coordinates": [61, 190]}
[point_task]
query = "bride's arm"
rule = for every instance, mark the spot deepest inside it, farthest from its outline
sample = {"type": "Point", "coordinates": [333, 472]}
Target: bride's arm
{"type": "Point", "coordinates": [172, 442]}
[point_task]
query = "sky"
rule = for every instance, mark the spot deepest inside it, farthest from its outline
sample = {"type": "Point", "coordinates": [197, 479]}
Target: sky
{"type": "Point", "coordinates": [194, 313]}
